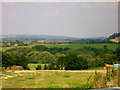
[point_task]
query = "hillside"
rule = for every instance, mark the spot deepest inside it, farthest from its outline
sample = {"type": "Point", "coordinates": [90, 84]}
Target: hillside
{"type": "Point", "coordinates": [36, 37]}
{"type": "Point", "coordinates": [24, 37]}
{"type": "Point", "coordinates": [115, 37]}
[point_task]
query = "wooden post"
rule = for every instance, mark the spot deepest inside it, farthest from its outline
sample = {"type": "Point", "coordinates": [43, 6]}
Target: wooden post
{"type": "Point", "coordinates": [118, 75]}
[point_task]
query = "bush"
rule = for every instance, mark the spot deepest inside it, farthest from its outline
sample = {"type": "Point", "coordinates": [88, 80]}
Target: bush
{"type": "Point", "coordinates": [38, 67]}
{"type": "Point", "coordinates": [45, 67]}
{"type": "Point", "coordinates": [52, 67]}
{"type": "Point", "coordinates": [27, 67]}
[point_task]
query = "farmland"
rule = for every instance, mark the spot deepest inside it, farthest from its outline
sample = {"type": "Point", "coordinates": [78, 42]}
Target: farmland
{"type": "Point", "coordinates": [46, 79]}
{"type": "Point", "coordinates": [77, 46]}
{"type": "Point", "coordinates": [63, 67]}
{"type": "Point", "coordinates": [72, 46]}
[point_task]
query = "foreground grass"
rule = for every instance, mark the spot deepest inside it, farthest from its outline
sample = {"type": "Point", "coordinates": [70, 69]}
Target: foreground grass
{"type": "Point", "coordinates": [45, 79]}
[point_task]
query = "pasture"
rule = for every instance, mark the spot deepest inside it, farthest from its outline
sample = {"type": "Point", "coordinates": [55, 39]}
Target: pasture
{"type": "Point", "coordinates": [33, 66]}
{"type": "Point", "coordinates": [77, 46]}
{"type": "Point", "coordinates": [46, 79]}
{"type": "Point", "coordinates": [71, 46]}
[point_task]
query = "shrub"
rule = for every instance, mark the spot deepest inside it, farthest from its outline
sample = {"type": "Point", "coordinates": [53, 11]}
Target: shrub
{"type": "Point", "coordinates": [45, 67]}
{"type": "Point", "coordinates": [38, 67]}
{"type": "Point", "coordinates": [27, 67]}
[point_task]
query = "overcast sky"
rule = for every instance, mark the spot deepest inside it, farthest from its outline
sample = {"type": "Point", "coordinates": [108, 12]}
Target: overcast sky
{"type": "Point", "coordinates": [74, 19]}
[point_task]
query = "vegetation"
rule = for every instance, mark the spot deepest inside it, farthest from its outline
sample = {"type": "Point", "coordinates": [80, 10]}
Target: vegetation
{"type": "Point", "coordinates": [15, 43]}
{"type": "Point", "coordinates": [62, 57]}
{"type": "Point", "coordinates": [70, 46]}
{"type": "Point", "coordinates": [69, 59]}
{"type": "Point", "coordinates": [45, 79]}
{"type": "Point", "coordinates": [38, 67]}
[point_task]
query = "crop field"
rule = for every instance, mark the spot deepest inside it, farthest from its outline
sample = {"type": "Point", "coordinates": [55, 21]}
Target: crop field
{"type": "Point", "coordinates": [46, 79]}
{"type": "Point", "coordinates": [72, 46]}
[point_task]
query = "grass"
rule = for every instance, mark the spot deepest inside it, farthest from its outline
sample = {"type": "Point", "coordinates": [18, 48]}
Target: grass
{"type": "Point", "coordinates": [33, 66]}
{"type": "Point", "coordinates": [42, 79]}
{"type": "Point", "coordinates": [5, 48]}
{"type": "Point", "coordinates": [72, 46]}
{"type": "Point", "coordinates": [95, 68]}
{"type": "Point", "coordinates": [77, 46]}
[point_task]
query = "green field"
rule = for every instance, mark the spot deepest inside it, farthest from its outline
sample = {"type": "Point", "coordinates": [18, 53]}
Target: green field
{"type": "Point", "coordinates": [72, 46]}
{"type": "Point", "coordinates": [33, 66]}
{"type": "Point", "coordinates": [45, 79]}
{"type": "Point", "coordinates": [77, 46]}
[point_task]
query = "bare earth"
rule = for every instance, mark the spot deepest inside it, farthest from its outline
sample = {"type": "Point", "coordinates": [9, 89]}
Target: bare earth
{"type": "Point", "coordinates": [100, 71]}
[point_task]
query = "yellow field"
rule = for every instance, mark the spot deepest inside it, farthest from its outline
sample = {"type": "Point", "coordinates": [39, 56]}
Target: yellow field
{"type": "Point", "coordinates": [45, 79]}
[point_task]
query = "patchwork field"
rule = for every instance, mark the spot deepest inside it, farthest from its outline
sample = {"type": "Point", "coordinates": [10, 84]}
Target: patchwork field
{"type": "Point", "coordinates": [77, 46]}
{"type": "Point", "coordinates": [72, 46]}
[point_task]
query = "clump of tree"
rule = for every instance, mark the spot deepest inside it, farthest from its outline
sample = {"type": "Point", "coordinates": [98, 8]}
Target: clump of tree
{"type": "Point", "coordinates": [33, 56]}
{"type": "Point", "coordinates": [53, 50]}
{"type": "Point", "coordinates": [45, 67]}
{"type": "Point", "coordinates": [40, 57]}
{"type": "Point", "coordinates": [83, 58]}
{"type": "Point", "coordinates": [72, 62]}
{"type": "Point", "coordinates": [14, 58]}
{"type": "Point", "coordinates": [40, 48]}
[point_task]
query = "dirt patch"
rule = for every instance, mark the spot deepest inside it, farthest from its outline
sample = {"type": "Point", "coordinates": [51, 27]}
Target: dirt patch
{"type": "Point", "coordinates": [38, 71]}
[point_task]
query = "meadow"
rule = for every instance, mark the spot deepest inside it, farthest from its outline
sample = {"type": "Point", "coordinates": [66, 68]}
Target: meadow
{"type": "Point", "coordinates": [46, 79]}
{"type": "Point", "coordinates": [53, 78]}
{"type": "Point", "coordinates": [72, 46]}
{"type": "Point", "coordinates": [33, 66]}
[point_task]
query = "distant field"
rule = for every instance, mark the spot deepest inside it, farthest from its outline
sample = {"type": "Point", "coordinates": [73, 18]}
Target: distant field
{"type": "Point", "coordinates": [5, 48]}
{"type": "Point", "coordinates": [77, 46]}
{"type": "Point", "coordinates": [72, 46]}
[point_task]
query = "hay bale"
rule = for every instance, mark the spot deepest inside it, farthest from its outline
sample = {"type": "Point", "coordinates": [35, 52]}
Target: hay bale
{"type": "Point", "coordinates": [8, 68]}
{"type": "Point", "coordinates": [104, 67]}
{"type": "Point", "coordinates": [13, 68]}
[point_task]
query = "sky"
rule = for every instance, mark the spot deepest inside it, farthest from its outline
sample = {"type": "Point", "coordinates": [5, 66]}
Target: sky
{"type": "Point", "coordinates": [75, 19]}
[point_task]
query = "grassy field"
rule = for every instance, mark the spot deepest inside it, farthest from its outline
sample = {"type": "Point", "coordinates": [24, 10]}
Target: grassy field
{"type": "Point", "coordinates": [77, 46]}
{"type": "Point", "coordinates": [72, 46]}
{"type": "Point", "coordinates": [33, 66]}
{"type": "Point", "coordinates": [45, 79]}
{"type": "Point", "coordinates": [5, 48]}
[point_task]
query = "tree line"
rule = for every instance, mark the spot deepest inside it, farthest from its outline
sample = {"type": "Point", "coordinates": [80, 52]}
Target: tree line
{"type": "Point", "coordinates": [59, 58]}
